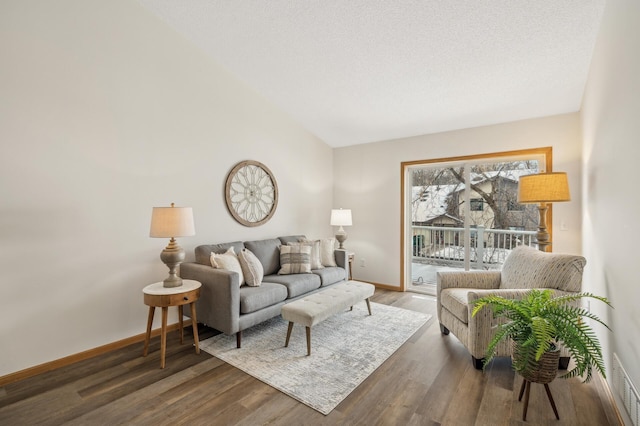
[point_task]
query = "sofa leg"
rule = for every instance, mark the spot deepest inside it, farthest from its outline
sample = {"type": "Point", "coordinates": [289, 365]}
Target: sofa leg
{"type": "Point", "coordinates": [477, 363]}
{"type": "Point", "coordinates": [444, 330]}
{"type": "Point", "coordinates": [238, 339]}
{"type": "Point", "coordinates": [563, 362]}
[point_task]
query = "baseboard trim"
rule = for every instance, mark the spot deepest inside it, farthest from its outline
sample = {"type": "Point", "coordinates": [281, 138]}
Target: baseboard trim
{"type": "Point", "coordinates": [81, 356]}
{"type": "Point", "coordinates": [383, 286]}
{"type": "Point", "coordinates": [100, 350]}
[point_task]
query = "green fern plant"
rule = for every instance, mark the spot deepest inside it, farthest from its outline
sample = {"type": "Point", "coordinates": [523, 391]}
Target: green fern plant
{"type": "Point", "coordinates": [539, 321]}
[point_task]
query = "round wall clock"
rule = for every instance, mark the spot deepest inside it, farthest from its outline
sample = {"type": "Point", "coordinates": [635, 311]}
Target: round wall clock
{"type": "Point", "coordinates": [251, 193]}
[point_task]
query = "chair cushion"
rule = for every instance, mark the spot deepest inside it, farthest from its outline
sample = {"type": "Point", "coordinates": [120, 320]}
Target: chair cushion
{"type": "Point", "coordinates": [296, 284]}
{"type": "Point", "coordinates": [255, 298]}
{"type": "Point", "coordinates": [526, 267]}
{"type": "Point", "coordinates": [455, 300]}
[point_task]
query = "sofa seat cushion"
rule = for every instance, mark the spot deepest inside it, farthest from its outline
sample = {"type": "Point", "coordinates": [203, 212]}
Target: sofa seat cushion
{"type": "Point", "coordinates": [296, 284]}
{"type": "Point", "coordinates": [455, 300]}
{"type": "Point", "coordinates": [330, 275]}
{"type": "Point", "coordinates": [255, 298]}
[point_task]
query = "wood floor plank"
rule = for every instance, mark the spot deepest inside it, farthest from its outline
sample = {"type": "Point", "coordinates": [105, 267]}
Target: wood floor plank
{"type": "Point", "coordinates": [429, 381]}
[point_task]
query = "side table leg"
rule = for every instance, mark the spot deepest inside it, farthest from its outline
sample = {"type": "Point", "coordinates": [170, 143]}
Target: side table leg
{"type": "Point", "coordinates": [180, 324]}
{"type": "Point", "coordinates": [194, 326]}
{"type": "Point", "coordinates": [163, 337]}
{"type": "Point", "coordinates": [152, 309]}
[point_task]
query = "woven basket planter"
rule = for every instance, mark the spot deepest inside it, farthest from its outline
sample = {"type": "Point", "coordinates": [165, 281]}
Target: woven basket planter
{"type": "Point", "coordinates": [542, 371]}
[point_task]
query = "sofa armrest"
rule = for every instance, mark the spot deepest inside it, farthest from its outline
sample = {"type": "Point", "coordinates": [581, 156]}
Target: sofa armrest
{"type": "Point", "coordinates": [219, 302]}
{"type": "Point", "coordinates": [341, 258]}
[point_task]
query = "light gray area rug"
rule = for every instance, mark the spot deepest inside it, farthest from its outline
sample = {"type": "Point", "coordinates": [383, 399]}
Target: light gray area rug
{"type": "Point", "coordinates": [345, 350]}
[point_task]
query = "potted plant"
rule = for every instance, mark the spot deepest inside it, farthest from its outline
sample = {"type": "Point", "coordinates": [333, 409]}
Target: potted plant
{"type": "Point", "coordinates": [537, 324]}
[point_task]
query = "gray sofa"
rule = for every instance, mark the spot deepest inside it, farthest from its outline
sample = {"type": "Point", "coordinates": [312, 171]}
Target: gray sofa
{"type": "Point", "coordinates": [227, 307]}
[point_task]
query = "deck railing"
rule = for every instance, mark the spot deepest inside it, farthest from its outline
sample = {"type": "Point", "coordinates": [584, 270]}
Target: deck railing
{"type": "Point", "coordinates": [488, 249]}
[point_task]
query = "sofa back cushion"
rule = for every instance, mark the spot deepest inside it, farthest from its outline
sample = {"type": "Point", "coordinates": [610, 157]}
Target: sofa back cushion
{"type": "Point", "coordinates": [291, 239]}
{"type": "Point", "coordinates": [526, 267]}
{"type": "Point", "coordinates": [203, 252]}
{"type": "Point", "coordinates": [268, 252]}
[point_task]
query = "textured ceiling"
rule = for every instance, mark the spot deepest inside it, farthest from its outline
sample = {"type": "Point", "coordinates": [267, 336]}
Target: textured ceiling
{"type": "Point", "coordinates": [361, 71]}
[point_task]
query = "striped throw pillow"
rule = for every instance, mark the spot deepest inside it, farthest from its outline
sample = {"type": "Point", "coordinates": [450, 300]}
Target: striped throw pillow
{"type": "Point", "coordinates": [295, 260]}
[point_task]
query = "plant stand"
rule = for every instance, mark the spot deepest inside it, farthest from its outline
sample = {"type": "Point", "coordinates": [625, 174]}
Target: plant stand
{"type": "Point", "coordinates": [527, 385]}
{"type": "Point", "coordinates": [542, 371]}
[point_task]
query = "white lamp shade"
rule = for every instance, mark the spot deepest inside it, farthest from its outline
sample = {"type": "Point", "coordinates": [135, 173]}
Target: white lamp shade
{"type": "Point", "coordinates": [340, 217]}
{"type": "Point", "coordinates": [167, 222]}
{"type": "Point", "coordinates": [543, 188]}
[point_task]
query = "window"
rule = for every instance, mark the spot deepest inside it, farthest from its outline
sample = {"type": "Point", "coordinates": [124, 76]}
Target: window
{"type": "Point", "coordinates": [467, 210]}
{"type": "Point", "coordinates": [476, 204]}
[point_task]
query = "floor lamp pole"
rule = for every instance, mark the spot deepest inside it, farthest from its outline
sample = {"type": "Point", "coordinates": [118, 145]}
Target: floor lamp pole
{"type": "Point", "coordinates": [543, 236]}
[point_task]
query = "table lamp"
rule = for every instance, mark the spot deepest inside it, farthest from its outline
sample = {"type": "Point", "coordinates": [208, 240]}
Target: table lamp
{"type": "Point", "coordinates": [171, 222]}
{"type": "Point", "coordinates": [340, 217]}
{"type": "Point", "coordinates": [542, 189]}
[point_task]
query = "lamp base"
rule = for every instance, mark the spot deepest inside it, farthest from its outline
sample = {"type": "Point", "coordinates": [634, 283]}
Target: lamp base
{"type": "Point", "coordinates": [172, 255]}
{"type": "Point", "coordinates": [341, 237]}
{"type": "Point", "coordinates": [543, 235]}
{"type": "Point", "coordinates": [172, 281]}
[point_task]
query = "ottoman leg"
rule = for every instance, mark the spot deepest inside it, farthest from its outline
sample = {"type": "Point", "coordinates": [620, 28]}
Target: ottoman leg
{"type": "Point", "coordinates": [368, 305]}
{"type": "Point", "coordinates": [308, 341]}
{"type": "Point", "coordinates": [286, 343]}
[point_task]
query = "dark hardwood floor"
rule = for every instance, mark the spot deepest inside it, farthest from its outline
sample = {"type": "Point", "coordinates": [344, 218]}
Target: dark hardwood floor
{"type": "Point", "coordinates": [428, 381]}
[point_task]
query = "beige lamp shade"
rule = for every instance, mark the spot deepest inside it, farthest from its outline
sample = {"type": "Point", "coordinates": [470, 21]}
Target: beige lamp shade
{"type": "Point", "coordinates": [168, 222]}
{"type": "Point", "coordinates": [340, 217]}
{"type": "Point", "coordinates": [543, 188]}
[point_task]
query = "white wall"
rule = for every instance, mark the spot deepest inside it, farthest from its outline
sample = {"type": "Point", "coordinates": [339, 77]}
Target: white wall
{"type": "Point", "coordinates": [367, 180]}
{"type": "Point", "coordinates": [104, 113]}
{"type": "Point", "coordinates": [611, 132]}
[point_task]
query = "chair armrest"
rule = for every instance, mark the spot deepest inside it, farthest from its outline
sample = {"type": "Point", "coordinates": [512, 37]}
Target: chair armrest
{"type": "Point", "coordinates": [219, 302]}
{"type": "Point", "coordinates": [468, 279]}
{"type": "Point", "coordinates": [483, 325]}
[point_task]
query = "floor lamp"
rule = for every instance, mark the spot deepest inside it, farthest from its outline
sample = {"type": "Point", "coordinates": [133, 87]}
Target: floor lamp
{"type": "Point", "coordinates": [543, 189]}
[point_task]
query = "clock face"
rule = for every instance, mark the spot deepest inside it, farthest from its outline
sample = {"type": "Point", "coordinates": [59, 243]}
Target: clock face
{"type": "Point", "coordinates": [251, 193]}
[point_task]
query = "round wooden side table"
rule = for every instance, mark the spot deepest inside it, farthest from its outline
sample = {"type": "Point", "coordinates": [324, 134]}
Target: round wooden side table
{"type": "Point", "coordinates": [158, 296]}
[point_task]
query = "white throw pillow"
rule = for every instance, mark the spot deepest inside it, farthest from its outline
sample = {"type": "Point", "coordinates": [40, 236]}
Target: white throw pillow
{"type": "Point", "coordinates": [295, 260]}
{"type": "Point", "coordinates": [251, 268]}
{"type": "Point", "coordinates": [229, 261]}
{"type": "Point", "coordinates": [316, 262]}
{"type": "Point", "coordinates": [327, 248]}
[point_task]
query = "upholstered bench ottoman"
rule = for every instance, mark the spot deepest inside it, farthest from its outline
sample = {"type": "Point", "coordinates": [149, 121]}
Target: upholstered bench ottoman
{"type": "Point", "coordinates": [317, 307]}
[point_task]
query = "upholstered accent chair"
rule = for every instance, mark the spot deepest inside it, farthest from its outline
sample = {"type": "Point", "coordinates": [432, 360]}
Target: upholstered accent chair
{"type": "Point", "coordinates": [525, 268]}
